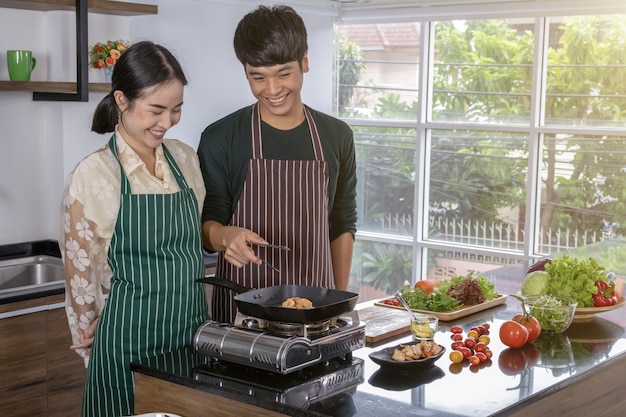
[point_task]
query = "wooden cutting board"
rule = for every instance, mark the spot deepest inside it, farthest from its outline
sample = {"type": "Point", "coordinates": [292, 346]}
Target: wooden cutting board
{"type": "Point", "coordinates": [383, 323]}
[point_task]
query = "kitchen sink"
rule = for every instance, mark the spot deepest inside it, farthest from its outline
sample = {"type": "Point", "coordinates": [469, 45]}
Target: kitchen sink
{"type": "Point", "coordinates": [27, 274]}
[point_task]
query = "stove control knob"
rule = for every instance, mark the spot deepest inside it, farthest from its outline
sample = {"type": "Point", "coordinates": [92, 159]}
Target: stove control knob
{"type": "Point", "coordinates": [250, 323]}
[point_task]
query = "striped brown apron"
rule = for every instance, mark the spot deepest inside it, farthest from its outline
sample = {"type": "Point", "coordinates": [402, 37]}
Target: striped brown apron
{"type": "Point", "coordinates": [286, 203]}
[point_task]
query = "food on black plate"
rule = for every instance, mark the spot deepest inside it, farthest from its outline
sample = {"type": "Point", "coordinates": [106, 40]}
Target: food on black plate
{"type": "Point", "coordinates": [411, 352]}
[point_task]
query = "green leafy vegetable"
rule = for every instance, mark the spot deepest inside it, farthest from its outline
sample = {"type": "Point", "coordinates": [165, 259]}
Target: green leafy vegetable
{"type": "Point", "coordinates": [488, 288]}
{"type": "Point", "coordinates": [439, 301]}
{"type": "Point", "coordinates": [418, 299]}
{"type": "Point", "coordinates": [574, 278]}
{"type": "Point", "coordinates": [535, 283]}
{"type": "Point", "coordinates": [553, 314]}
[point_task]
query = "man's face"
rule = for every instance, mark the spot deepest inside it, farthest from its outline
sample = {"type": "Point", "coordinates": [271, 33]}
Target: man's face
{"type": "Point", "coordinates": [277, 88]}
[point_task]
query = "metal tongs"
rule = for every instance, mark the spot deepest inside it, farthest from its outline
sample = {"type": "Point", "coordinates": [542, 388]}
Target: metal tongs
{"type": "Point", "coordinates": [269, 245]}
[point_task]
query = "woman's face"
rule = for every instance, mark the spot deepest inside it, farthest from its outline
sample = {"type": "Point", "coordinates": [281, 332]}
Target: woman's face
{"type": "Point", "coordinates": [144, 123]}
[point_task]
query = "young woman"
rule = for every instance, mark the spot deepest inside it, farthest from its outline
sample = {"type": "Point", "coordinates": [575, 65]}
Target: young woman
{"type": "Point", "coordinates": [131, 228]}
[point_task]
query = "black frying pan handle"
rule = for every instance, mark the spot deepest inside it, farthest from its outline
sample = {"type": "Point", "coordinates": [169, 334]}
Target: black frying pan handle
{"type": "Point", "coordinates": [225, 283]}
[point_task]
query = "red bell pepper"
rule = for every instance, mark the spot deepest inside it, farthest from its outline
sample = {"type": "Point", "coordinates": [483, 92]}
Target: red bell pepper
{"type": "Point", "coordinates": [606, 294]}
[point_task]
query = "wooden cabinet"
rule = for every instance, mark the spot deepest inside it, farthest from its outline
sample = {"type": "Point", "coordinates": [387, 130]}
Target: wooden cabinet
{"type": "Point", "coordinates": [94, 6]}
{"type": "Point", "coordinates": [39, 374]}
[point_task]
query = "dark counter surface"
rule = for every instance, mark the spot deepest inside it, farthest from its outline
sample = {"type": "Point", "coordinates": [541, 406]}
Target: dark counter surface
{"type": "Point", "coordinates": [503, 386]}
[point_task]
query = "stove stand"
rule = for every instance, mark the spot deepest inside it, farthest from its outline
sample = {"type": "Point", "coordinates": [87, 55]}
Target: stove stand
{"type": "Point", "coordinates": [257, 347]}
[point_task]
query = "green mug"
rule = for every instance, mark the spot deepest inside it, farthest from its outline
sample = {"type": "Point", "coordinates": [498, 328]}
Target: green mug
{"type": "Point", "coordinates": [21, 64]}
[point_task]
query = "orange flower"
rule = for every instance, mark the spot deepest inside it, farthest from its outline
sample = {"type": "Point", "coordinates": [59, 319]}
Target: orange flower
{"type": "Point", "coordinates": [106, 53]}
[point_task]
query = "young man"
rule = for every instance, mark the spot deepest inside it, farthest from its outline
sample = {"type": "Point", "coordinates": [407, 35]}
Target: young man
{"type": "Point", "coordinates": [277, 172]}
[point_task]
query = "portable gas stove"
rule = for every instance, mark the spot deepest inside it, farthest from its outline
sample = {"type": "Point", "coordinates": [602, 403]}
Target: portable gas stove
{"type": "Point", "coordinates": [277, 346]}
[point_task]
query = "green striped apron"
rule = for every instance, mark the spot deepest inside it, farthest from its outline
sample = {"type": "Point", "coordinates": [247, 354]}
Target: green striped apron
{"type": "Point", "coordinates": [155, 304]}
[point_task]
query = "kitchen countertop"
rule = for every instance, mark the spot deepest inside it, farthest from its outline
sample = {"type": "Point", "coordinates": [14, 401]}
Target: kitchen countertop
{"type": "Point", "coordinates": [506, 385]}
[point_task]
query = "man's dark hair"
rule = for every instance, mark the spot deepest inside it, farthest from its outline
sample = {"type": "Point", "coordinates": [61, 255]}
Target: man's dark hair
{"type": "Point", "coordinates": [270, 36]}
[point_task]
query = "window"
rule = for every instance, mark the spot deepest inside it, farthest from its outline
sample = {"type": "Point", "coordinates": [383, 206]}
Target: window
{"type": "Point", "coordinates": [493, 141]}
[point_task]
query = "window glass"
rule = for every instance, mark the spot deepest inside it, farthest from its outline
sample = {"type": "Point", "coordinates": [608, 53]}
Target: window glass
{"type": "Point", "coordinates": [386, 179]}
{"type": "Point", "coordinates": [477, 188]}
{"type": "Point", "coordinates": [583, 190]}
{"type": "Point", "coordinates": [482, 71]}
{"type": "Point", "coordinates": [379, 269]}
{"type": "Point", "coordinates": [378, 71]}
{"type": "Point", "coordinates": [586, 71]}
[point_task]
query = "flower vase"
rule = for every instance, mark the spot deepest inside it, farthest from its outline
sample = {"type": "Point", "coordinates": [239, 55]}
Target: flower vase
{"type": "Point", "coordinates": [108, 73]}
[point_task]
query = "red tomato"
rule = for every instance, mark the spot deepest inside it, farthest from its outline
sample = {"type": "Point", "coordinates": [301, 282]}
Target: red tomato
{"type": "Point", "coordinates": [457, 345]}
{"type": "Point", "coordinates": [480, 347]}
{"type": "Point", "coordinates": [470, 342]}
{"type": "Point", "coordinates": [456, 329]}
{"type": "Point", "coordinates": [512, 361]}
{"type": "Point", "coordinates": [513, 334]}
{"type": "Point", "coordinates": [467, 352]}
{"type": "Point", "coordinates": [532, 325]}
{"type": "Point", "coordinates": [481, 356]}
{"type": "Point", "coordinates": [474, 360]}
{"type": "Point", "coordinates": [457, 337]}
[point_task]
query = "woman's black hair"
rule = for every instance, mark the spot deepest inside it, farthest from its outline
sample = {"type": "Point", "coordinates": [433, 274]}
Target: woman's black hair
{"type": "Point", "coordinates": [270, 36]}
{"type": "Point", "coordinates": [144, 64]}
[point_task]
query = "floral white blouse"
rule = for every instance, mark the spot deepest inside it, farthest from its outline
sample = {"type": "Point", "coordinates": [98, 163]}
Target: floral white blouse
{"type": "Point", "coordinates": [89, 213]}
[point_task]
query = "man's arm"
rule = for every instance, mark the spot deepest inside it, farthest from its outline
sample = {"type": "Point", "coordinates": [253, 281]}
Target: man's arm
{"type": "Point", "coordinates": [341, 254]}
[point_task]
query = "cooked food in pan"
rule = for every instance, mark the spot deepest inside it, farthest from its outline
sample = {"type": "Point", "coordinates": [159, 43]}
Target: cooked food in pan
{"type": "Point", "coordinates": [298, 303]}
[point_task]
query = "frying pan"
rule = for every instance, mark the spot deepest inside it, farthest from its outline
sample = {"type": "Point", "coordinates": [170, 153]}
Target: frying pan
{"type": "Point", "coordinates": [265, 303]}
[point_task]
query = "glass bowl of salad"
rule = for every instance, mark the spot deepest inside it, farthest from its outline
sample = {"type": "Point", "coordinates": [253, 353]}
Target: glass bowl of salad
{"type": "Point", "coordinates": [555, 314]}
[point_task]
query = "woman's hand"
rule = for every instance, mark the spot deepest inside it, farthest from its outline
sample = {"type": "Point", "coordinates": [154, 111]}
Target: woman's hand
{"type": "Point", "coordinates": [85, 337]}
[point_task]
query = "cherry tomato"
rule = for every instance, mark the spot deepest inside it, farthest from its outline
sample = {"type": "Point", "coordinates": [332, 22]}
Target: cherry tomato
{"type": "Point", "coordinates": [481, 356]}
{"type": "Point", "coordinates": [467, 352]}
{"type": "Point", "coordinates": [457, 345]}
{"type": "Point", "coordinates": [484, 339]}
{"type": "Point", "coordinates": [473, 333]}
{"type": "Point", "coordinates": [480, 347]}
{"type": "Point", "coordinates": [531, 323]}
{"type": "Point", "coordinates": [474, 360]}
{"type": "Point", "coordinates": [457, 337]}
{"type": "Point", "coordinates": [513, 334]}
{"type": "Point", "coordinates": [489, 353]}
{"type": "Point", "coordinates": [456, 356]}
{"type": "Point", "coordinates": [456, 329]}
{"type": "Point", "coordinates": [486, 326]}
{"type": "Point", "coordinates": [470, 342]}
{"type": "Point", "coordinates": [512, 361]}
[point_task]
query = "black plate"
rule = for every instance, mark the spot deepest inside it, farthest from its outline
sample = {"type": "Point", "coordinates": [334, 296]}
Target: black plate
{"type": "Point", "coordinates": [383, 358]}
{"type": "Point", "coordinates": [389, 379]}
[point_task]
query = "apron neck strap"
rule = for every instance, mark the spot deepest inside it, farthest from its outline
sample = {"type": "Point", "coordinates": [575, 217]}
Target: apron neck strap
{"type": "Point", "coordinates": [257, 143]}
{"type": "Point", "coordinates": [125, 185]}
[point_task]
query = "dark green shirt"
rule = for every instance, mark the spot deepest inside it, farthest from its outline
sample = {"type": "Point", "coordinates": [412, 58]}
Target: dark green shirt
{"type": "Point", "coordinates": [226, 148]}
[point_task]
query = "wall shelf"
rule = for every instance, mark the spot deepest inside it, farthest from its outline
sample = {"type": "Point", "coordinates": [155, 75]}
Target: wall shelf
{"type": "Point", "coordinates": [119, 8]}
{"type": "Point", "coordinates": [72, 91]}
{"type": "Point", "coordinates": [51, 87]}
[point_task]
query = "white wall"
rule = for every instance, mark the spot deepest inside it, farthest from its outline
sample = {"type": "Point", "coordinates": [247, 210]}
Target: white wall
{"type": "Point", "coordinates": [40, 142]}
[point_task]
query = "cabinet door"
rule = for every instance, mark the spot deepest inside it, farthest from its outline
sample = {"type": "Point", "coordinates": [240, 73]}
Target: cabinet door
{"type": "Point", "coordinates": [23, 365]}
{"type": "Point", "coordinates": [65, 369]}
